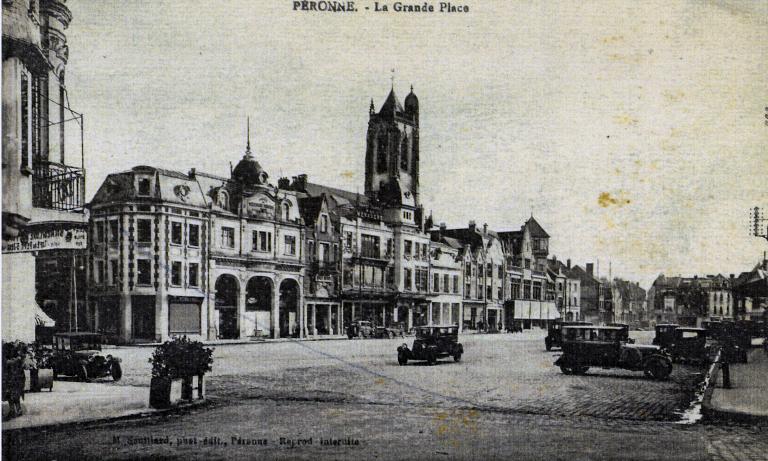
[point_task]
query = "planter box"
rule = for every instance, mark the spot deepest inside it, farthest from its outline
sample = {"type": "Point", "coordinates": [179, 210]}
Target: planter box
{"type": "Point", "coordinates": [164, 392]}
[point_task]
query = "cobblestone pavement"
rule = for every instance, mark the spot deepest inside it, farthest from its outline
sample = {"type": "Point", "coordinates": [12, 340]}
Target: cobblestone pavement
{"type": "Point", "coordinates": [504, 399]}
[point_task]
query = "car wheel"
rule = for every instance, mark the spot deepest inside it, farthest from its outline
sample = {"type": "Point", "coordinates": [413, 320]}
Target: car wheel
{"type": "Point", "coordinates": [658, 368]}
{"type": "Point", "coordinates": [457, 357]}
{"type": "Point", "coordinates": [548, 344]}
{"type": "Point", "coordinates": [431, 359]}
{"type": "Point", "coordinates": [566, 370]}
{"type": "Point", "coordinates": [116, 371]}
{"type": "Point", "coordinates": [402, 359]}
{"type": "Point", "coordinates": [82, 374]}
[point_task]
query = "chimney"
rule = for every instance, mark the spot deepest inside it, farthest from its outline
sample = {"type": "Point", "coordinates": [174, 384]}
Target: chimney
{"type": "Point", "coordinates": [283, 183]}
{"type": "Point", "coordinates": [472, 225]}
{"type": "Point", "coordinates": [590, 268]}
{"type": "Point", "coordinates": [192, 173]}
{"type": "Point", "coordinates": [568, 264]}
{"type": "Point", "coordinates": [485, 228]}
{"type": "Point", "coordinates": [301, 182]}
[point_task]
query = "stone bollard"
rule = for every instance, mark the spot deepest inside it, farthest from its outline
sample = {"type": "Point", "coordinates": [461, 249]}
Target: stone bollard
{"type": "Point", "coordinates": [726, 375]}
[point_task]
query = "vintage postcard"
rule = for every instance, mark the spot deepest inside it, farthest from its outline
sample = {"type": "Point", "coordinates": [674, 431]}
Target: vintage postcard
{"type": "Point", "coordinates": [322, 229]}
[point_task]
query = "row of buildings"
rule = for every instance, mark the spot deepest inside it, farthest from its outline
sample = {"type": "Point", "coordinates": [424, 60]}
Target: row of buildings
{"type": "Point", "coordinates": [192, 253]}
{"type": "Point", "coordinates": [158, 253]}
{"type": "Point", "coordinates": [693, 300]}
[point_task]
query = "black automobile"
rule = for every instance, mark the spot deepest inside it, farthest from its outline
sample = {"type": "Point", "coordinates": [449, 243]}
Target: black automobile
{"type": "Point", "coordinates": [389, 332]}
{"type": "Point", "coordinates": [624, 334]}
{"type": "Point", "coordinates": [361, 329]}
{"type": "Point", "coordinates": [665, 333]}
{"type": "Point", "coordinates": [554, 336]}
{"type": "Point", "coordinates": [591, 346]}
{"type": "Point", "coordinates": [432, 343]}
{"type": "Point", "coordinates": [734, 339]}
{"type": "Point", "coordinates": [79, 354]}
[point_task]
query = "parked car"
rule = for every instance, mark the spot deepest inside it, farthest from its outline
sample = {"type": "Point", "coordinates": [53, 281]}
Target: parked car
{"type": "Point", "coordinates": [432, 343]}
{"type": "Point", "coordinates": [591, 346]}
{"type": "Point", "coordinates": [665, 333]}
{"type": "Point", "coordinates": [684, 344]}
{"type": "Point", "coordinates": [389, 332]}
{"type": "Point", "coordinates": [554, 336]}
{"type": "Point", "coordinates": [360, 329]}
{"type": "Point", "coordinates": [79, 354]}
{"type": "Point", "coordinates": [734, 339]}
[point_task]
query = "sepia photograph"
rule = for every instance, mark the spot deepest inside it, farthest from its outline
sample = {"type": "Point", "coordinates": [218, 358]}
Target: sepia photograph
{"type": "Point", "coordinates": [354, 230]}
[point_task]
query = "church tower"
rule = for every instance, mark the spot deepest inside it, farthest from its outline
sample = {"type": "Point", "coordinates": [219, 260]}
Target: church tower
{"type": "Point", "coordinates": [392, 152]}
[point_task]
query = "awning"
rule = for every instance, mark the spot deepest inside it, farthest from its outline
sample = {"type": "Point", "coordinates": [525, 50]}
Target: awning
{"type": "Point", "coordinates": [41, 318]}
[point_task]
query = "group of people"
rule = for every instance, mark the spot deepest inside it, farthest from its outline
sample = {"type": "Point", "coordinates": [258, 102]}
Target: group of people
{"type": "Point", "coordinates": [17, 357]}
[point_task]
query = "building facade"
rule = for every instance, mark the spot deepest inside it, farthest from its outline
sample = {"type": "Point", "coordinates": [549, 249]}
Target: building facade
{"type": "Point", "coordinates": [236, 257]}
{"type": "Point", "coordinates": [44, 227]}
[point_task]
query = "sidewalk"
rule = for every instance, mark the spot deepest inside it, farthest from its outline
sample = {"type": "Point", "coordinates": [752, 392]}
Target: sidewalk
{"type": "Point", "coordinates": [249, 340]}
{"type": "Point", "coordinates": [72, 402]}
{"type": "Point", "coordinates": [747, 400]}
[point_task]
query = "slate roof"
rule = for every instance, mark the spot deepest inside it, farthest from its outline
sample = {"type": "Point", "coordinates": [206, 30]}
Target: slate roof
{"type": "Point", "coordinates": [535, 228]}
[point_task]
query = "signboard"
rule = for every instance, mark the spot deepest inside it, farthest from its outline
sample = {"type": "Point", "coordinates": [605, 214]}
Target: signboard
{"type": "Point", "coordinates": [59, 236]}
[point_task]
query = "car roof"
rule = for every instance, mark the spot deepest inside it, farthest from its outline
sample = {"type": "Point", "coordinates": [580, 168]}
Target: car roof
{"type": "Point", "coordinates": [691, 329]}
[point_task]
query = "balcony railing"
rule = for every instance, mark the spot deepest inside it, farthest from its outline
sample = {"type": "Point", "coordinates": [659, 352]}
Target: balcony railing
{"type": "Point", "coordinates": [58, 187]}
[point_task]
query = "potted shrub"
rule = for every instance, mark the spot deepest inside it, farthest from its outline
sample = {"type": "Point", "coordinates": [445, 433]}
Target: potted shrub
{"type": "Point", "coordinates": [176, 359]}
{"type": "Point", "coordinates": [41, 372]}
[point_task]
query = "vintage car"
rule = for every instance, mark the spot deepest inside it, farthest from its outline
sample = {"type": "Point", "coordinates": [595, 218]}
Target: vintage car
{"type": "Point", "coordinates": [389, 332]}
{"type": "Point", "coordinates": [79, 354]}
{"type": "Point", "coordinates": [591, 346]}
{"type": "Point", "coordinates": [554, 337]}
{"type": "Point", "coordinates": [734, 340]}
{"type": "Point", "coordinates": [432, 343]}
{"type": "Point", "coordinates": [360, 329]}
{"type": "Point", "coordinates": [684, 344]}
{"type": "Point", "coordinates": [665, 333]}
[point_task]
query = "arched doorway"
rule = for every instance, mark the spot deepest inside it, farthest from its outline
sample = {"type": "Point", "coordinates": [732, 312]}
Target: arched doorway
{"type": "Point", "coordinates": [258, 306]}
{"type": "Point", "coordinates": [289, 308]}
{"type": "Point", "coordinates": [227, 295]}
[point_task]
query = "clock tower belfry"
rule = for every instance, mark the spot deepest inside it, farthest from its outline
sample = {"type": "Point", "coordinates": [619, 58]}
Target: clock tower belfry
{"type": "Point", "coordinates": [392, 151]}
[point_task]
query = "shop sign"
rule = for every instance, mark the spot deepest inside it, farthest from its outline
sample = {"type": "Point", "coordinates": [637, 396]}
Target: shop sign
{"type": "Point", "coordinates": [47, 237]}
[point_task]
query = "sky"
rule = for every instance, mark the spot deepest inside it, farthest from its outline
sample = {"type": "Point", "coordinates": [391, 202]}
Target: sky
{"type": "Point", "coordinates": [634, 132]}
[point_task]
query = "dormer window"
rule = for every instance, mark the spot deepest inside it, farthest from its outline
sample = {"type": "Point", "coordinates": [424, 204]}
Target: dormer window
{"type": "Point", "coordinates": [286, 211]}
{"type": "Point", "coordinates": [222, 200]}
{"type": "Point", "coordinates": [144, 186]}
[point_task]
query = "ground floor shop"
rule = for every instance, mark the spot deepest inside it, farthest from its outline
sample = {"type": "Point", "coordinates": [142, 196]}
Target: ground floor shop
{"type": "Point", "coordinates": [323, 317]}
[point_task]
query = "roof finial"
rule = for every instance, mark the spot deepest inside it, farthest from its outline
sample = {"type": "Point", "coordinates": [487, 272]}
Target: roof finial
{"type": "Point", "coordinates": [248, 136]}
{"type": "Point", "coordinates": [393, 79]}
{"type": "Point", "coordinates": [411, 87]}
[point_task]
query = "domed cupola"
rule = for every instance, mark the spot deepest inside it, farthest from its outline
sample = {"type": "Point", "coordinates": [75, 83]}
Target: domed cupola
{"type": "Point", "coordinates": [412, 104]}
{"type": "Point", "coordinates": [248, 171]}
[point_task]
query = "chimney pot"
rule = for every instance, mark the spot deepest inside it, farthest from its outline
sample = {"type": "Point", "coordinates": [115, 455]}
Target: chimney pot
{"type": "Point", "coordinates": [485, 228]}
{"type": "Point", "coordinates": [590, 268]}
{"type": "Point", "coordinates": [192, 173]}
{"type": "Point", "coordinates": [568, 264]}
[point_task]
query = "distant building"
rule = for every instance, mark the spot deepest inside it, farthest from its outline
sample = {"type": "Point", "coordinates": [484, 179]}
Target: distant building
{"type": "Point", "coordinates": [691, 300]}
{"type": "Point", "coordinates": [592, 294]}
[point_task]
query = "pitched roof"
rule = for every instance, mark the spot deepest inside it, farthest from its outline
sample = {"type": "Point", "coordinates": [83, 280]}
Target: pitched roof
{"type": "Point", "coordinates": [535, 228]}
{"type": "Point", "coordinates": [310, 207]}
{"type": "Point", "coordinates": [392, 105]}
{"type": "Point", "coordinates": [340, 196]}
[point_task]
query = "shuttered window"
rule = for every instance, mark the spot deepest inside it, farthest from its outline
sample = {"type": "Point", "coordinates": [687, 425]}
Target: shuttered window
{"type": "Point", "coordinates": [183, 318]}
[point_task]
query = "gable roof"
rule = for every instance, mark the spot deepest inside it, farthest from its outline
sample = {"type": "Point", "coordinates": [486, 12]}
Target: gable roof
{"type": "Point", "coordinates": [535, 228]}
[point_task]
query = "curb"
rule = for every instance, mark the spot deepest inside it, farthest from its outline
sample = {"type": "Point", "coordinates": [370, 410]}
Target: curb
{"type": "Point", "coordinates": [140, 414]}
{"type": "Point", "coordinates": [712, 413]}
